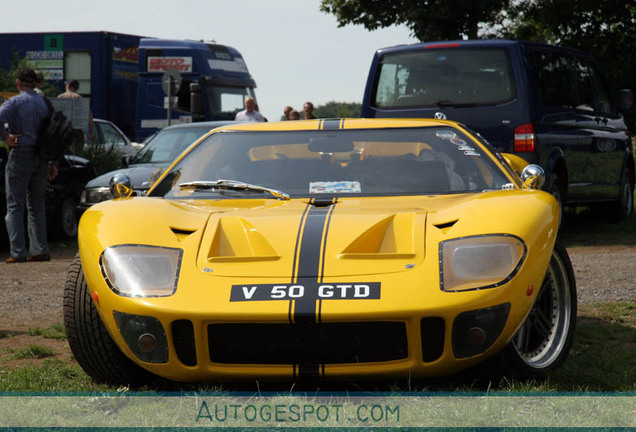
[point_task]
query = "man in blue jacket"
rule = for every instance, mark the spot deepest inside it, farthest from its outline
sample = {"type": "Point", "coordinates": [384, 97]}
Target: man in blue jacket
{"type": "Point", "coordinates": [25, 173]}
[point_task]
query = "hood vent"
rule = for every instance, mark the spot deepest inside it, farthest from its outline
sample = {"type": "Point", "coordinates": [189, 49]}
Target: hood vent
{"type": "Point", "coordinates": [445, 226]}
{"type": "Point", "coordinates": [392, 237]}
{"type": "Point", "coordinates": [235, 239]}
{"type": "Point", "coordinates": [180, 233]}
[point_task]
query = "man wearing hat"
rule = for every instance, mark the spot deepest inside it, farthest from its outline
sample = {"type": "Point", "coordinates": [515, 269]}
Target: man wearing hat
{"type": "Point", "coordinates": [25, 173]}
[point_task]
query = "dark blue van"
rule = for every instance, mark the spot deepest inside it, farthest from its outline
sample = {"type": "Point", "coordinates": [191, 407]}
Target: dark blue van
{"type": "Point", "coordinates": [548, 104]}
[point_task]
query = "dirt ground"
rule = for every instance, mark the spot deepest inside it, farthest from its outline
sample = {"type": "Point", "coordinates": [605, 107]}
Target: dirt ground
{"type": "Point", "coordinates": [32, 292]}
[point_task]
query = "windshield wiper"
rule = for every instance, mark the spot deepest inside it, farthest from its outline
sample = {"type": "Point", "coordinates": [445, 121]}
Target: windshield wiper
{"type": "Point", "coordinates": [233, 185]}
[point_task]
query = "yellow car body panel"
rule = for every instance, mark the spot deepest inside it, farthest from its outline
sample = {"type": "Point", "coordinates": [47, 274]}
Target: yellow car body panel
{"type": "Point", "coordinates": [230, 246]}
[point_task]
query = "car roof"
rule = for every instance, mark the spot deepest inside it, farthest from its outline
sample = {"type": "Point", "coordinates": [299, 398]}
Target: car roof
{"type": "Point", "coordinates": [475, 43]}
{"type": "Point", "coordinates": [196, 125]}
{"type": "Point", "coordinates": [336, 124]}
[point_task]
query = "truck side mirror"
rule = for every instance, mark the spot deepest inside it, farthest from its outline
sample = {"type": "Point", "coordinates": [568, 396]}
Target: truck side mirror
{"type": "Point", "coordinates": [626, 99]}
{"type": "Point", "coordinates": [196, 101]}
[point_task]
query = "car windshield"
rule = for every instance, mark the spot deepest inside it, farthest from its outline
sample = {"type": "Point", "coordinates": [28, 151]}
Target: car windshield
{"type": "Point", "coordinates": [166, 145]}
{"type": "Point", "coordinates": [356, 162]}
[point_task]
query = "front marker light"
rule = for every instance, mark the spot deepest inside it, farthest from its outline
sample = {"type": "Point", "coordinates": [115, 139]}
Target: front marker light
{"type": "Point", "coordinates": [479, 262]}
{"type": "Point", "coordinates": [141, 271]}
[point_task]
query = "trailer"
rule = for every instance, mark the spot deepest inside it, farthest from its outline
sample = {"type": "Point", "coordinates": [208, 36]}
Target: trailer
{"type": "Point", "coordinates": [122, 75]}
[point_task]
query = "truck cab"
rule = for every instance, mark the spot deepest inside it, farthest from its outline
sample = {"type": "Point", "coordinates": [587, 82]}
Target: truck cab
{"type": "Point", "coordinates": [214, 83]}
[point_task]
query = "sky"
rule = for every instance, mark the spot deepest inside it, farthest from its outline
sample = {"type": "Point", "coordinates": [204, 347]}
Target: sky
{"type": "Point", "coordinates": [295, 52]}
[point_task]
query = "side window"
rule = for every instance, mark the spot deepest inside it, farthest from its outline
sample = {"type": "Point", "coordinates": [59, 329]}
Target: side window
{"type": "Point", "coordinates": [111, 136]}
{"type": "Point", "coordinates": [562, 81]}
{"type": "Point", "coordinates": [603, 96]}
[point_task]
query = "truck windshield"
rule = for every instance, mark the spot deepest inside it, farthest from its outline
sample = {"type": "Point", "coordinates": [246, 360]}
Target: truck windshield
{"type": "Point", "coordinates": [444, 77]}
{"type": "Point", "coordinates": [226, 101]}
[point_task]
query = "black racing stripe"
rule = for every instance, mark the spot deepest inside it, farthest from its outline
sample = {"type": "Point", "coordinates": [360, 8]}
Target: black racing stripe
{"type": "Point", "coordinates": [296, 249]}
{"type": "Point", "coordinates": [309, 258]}
{"type": "Point", "coordinates": [331, 124]}
{"type": "Point", "coordinates": [309, 263]}
{"type": "Point", "coordinates": [322, 258]}
{"type": "Point", "coordinates": [300, 230]}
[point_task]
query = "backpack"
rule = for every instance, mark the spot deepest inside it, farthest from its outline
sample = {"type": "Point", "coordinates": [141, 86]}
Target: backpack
{"type": "Point", "coordinates": [56, 134]}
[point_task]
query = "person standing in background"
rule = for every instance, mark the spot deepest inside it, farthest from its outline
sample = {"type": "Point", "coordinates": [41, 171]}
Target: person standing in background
{"type": "Point", "coordinates": [26, 172]}
{"type": "Point", "coordinates": [308, 109]}
{"type": "Point", "coordinates": [249, 114]}
{"type": "Point", "coordinates": [72, 86]}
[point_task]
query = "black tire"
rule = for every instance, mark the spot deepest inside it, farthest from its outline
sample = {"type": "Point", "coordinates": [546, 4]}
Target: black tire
{"type": "Point", "coordinates": [544, 341]}
{"type": "Point", "coordinates": [556, 188]}
{"type": "Point", "coordinates": [67, 218]}
{"type": "Point", "coordinates": [625, 202]}
{"type": "Point", "coordinates": [89, 340]}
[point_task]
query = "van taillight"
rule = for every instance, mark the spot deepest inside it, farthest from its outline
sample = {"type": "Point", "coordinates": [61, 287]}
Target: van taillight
{"type": "Point", "coordinates": [525, 139]}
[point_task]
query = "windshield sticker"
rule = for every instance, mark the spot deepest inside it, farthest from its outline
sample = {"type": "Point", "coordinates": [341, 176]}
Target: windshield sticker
{"type": "Point", "coordinates": [471, 153]}
{"type": "Point", "coordinates": [458, 141]}
{"type": "Point", "coordinates": [466, 148]}
{"type": "Point", "coordinates": [446, 134]}
{"type": "Point", "coordinates": [508, 186]}
{"type": "Point", "coordinates": [335, 187]}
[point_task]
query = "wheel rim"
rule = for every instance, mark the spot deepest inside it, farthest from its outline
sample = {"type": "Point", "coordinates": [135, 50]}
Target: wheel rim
{"type": "Point", "coordinates": [69, 222]}
{"type": "Point", "coordinates": [544, 334]}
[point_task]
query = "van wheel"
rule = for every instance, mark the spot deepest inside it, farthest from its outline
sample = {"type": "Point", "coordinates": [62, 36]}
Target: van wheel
{"type": "Point", "coordinates": [544, 341]}
{"type": "Point", "coordinates": [556, 189]}
{"type": "Point", "coordinates": [89, 340]}
{"type": "Point", "coordinates": [625, 204]}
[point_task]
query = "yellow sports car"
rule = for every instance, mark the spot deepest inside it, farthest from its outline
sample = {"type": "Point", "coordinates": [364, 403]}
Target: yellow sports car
{"type": "Point", "coordinates": [323, 249]}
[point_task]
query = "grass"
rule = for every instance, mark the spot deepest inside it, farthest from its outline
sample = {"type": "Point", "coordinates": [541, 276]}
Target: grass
{"type": "Point", "coordinates": [34, 351]}
{"type": "Point", "coordinates": [54, 332]}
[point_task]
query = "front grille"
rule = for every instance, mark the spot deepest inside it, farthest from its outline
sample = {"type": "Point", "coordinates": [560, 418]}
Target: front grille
{"type": "Point", "coordinates": [432, 331]}
{"type": "Point", "coordinates": [183, 336]}
{"type": "Point", "coordinates": [311, 343]}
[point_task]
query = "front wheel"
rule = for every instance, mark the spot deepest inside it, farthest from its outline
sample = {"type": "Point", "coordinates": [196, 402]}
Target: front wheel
{"type": "Point", "coordinates": [543, 342]}
{"type": "Point", "coordinates": [89, 340]}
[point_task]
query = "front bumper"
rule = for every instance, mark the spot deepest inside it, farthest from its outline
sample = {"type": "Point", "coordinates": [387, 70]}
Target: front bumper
{"type": "Point", "coordinates": [192, 348]}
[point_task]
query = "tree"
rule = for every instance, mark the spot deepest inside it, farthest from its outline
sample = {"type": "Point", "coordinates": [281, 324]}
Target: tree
{"type": "Point", "coordinates": [427, 19]}
{"type": "Point", "coordinates": [605, 28]}
{"type": "Point", "coordinates": [335, 109]}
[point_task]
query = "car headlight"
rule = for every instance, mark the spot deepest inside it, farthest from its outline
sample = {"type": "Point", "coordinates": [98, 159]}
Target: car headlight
{"type": "Point", "coordinates": [95, 195]}
{"type": "Point", "coordinates": [141, 271]}
{"type": "Point", "coordinates": [479, 262]}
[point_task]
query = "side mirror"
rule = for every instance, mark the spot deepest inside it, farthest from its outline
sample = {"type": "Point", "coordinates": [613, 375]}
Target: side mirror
{"type": "Point", "coordinates": [120, 186]}
{"type": "Point", "coordinates": [626, 99]}
{"type": "Point", "coordinates": [196, 101]}
{"type": "Point", "coordinates": [533, 176]}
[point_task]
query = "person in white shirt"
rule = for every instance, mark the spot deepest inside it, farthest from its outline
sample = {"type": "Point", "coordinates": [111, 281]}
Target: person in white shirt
{"type": "Point", "coordinates": [249, 114]}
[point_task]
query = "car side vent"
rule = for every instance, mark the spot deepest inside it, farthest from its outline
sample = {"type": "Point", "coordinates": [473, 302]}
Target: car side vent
{"type": "Point", "coordinates": [446, 225]}
{"type": "Point", "coordinates": [181, 233]}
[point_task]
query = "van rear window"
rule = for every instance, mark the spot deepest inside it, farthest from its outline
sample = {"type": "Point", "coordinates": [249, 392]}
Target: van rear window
{"type": "Point", "coordinates": [444, 77]}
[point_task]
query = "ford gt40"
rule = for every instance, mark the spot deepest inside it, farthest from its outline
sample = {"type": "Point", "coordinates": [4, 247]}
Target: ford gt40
{"type": "Point", "coordinates": [324, 249]}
